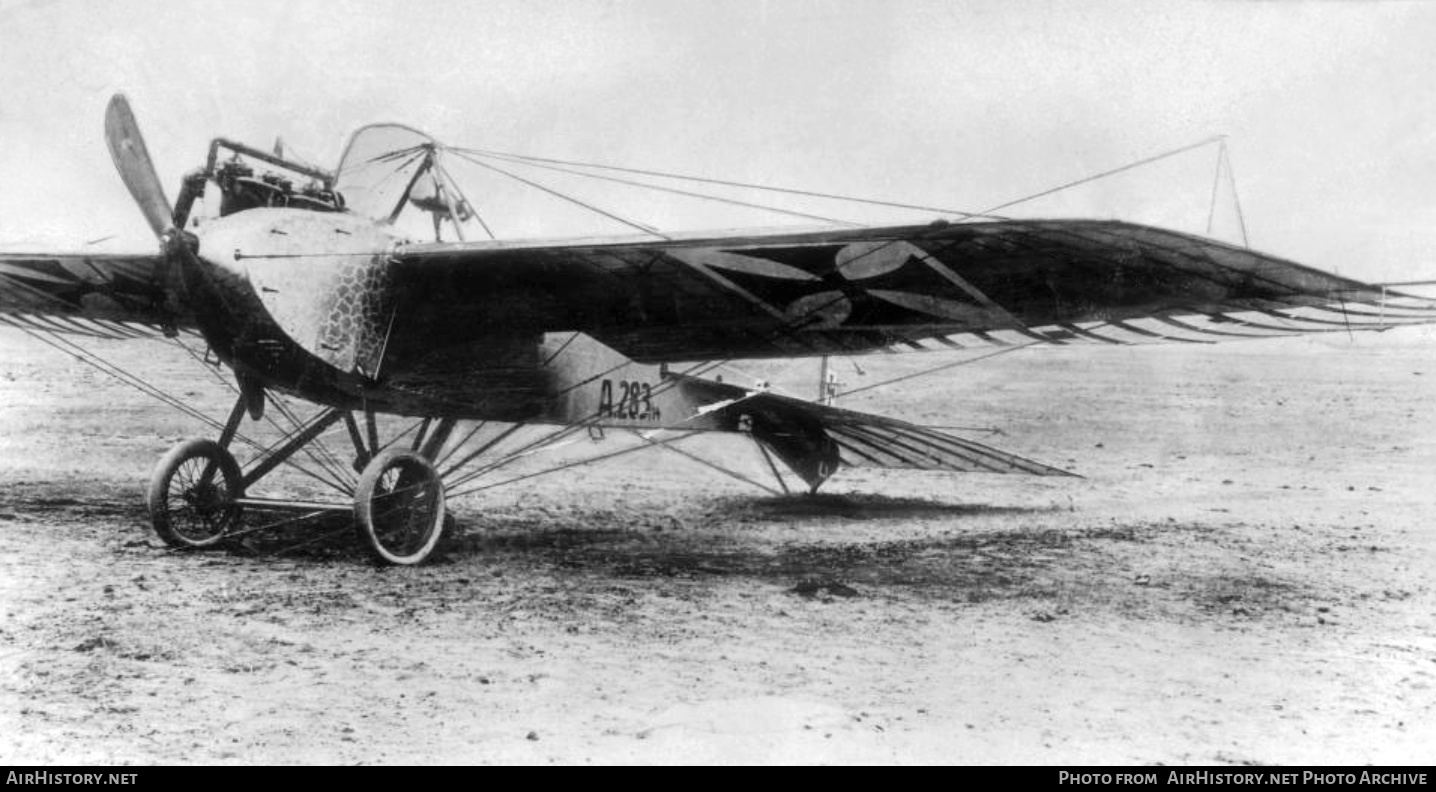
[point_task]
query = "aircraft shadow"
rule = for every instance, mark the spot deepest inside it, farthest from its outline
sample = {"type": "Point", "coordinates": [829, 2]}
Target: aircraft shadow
{"type": "Point", "coordinates": [862, 506]}
{"type": "Point", "coordinates": [971, 565]}
{"type": "Point", "coordinates": [85, 503]}
{"type": "Point", "coordinates": [729, 539]}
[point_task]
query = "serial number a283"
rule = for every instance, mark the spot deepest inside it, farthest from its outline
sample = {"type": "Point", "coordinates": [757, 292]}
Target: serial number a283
{"type": "Point", "coordinates": [635, 401]}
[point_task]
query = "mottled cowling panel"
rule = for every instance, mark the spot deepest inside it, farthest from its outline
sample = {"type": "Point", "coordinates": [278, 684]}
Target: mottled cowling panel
{"type": "Point", "coordinates": [356, 314]}
{"type": "Point", "coordinates": [323, 278]}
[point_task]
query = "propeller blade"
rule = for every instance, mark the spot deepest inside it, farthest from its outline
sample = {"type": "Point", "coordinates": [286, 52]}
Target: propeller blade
{"type": "Point", "coordinates": [127, 149]}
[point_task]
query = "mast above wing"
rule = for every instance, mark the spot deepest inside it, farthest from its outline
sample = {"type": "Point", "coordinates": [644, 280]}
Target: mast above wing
{"type": "Point", "coordinates": [388, 169]}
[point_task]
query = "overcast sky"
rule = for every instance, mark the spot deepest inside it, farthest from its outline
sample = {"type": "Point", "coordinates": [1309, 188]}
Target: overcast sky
{"type": "Point", "coordinates": [1329, 107]}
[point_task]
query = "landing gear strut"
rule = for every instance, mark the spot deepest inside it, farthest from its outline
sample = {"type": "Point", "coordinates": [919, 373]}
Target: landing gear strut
{"type": "Point", "coordinates": [197, 491]}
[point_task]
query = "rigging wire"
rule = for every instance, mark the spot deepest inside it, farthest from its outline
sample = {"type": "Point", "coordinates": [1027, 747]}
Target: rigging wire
{"type": "Point", "coordinates": [567, 430]}
{"type": "Point", "coordinates": [339, 471]}
{"type": "Point", "coordinates": [1224, 164]}
{"type": "Point", "coordinates": [443, 173]}
{"type": "Point", "coordinates": [79, 352]}
{"type": "Point", "coordinates": [986, 214]}
{"type": "Point", "coordinates": [389, 156]}
{"type": "Point", "coordinates": [942, 367]}
{"type": "Point", "coordinates": [728, 183]}
{"type": "Point", "coordinates": [1106, 173]}
{"type": "Point", "coordinates": [229, 385]}
{"type": "Point", "coordinates": [1216, 184]}
{"type": "Point", "coordinates": [1236, 200]}
{"type": "Point", "coordinates": [676, 191]}
{"type": "Point", "coordinates": [99, 363]}
{"type": "Point", "coordinates": [576, 463]}
{"type": "Point", "coordinates": [630, 223]}
{"type": "Point", "coordinates": [382, 182]}
{"type": "Point", "coordinates": [53, 340]}
{"type": "Point", "coordinates": [331, 463]}
{"type": "Point", "coordinates": [673, 447]}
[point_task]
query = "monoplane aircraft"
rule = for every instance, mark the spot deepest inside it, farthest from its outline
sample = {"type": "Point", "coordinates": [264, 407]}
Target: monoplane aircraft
{"type": "Point", "coordinates": [307, 283]}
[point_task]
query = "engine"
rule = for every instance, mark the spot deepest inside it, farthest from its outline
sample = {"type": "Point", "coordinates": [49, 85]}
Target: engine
{"type": "Point", "coordinates": [247, 178]}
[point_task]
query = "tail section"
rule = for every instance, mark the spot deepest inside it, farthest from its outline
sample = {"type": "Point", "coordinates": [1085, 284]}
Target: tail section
{"type": "Point", "coordinates": [595, 385]}
{"type": "Point", "coordinates": [815, 440]}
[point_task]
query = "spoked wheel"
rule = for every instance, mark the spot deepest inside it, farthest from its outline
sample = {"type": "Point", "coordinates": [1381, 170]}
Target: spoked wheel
{"type": "Point", "coordinates": [399, 507]}
{"type": "Point", "coordinates": [192, 494]}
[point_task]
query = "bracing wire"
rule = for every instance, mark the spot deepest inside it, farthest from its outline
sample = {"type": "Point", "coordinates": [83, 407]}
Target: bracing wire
{"type": "Point", "coordinates": [1224, 164]}
{"type": "Point", "coordinates": [727, 183]}
{"type": "Point", "coordinates": [454, 187]}
{"type": "Point", "coordinates": [590, 207]}
{"type": "Point", "coordinates": [941, 367]}
{"type": "Point", "coordinates": [331, 464]}
{"type": "Point", "coordinates": [94, 360]}
{"type": "Point", "coordinates": [1236, 201]}
{"type": "Point", "coordinates": [675, 191]}
{"type": "Point", "coordinates": [986, 214]}
{"type": "Point", "coordinates": [1104, 174]}
{"type": "Point", "coordinates": [1216, 185]}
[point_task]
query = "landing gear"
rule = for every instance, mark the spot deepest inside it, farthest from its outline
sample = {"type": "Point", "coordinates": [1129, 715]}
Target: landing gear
{"type": "Point", "coordinates": [193, 494]}
{"type": "Point", "coordinates": [399, 507]}
{"type": "Point", "coordinates": [198, 490]}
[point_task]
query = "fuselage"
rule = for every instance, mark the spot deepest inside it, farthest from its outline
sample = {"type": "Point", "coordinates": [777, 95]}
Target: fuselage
{"type": "Point", "coordinates": [306, 303]}
{"type": "Point", "coordinates": [299, 301]}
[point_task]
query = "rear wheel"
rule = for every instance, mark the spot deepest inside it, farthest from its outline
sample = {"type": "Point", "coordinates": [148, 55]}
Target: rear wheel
{"type": "Point", "coordinates": [192, 494]}
{"type": "Point", "coordinates": [399, 507]}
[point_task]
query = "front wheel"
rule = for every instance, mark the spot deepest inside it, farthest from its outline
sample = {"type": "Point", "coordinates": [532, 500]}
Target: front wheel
{"type": "Point", "coordinates": [192, 494]}
{"type": "Point", "coordinates": [399, 507]}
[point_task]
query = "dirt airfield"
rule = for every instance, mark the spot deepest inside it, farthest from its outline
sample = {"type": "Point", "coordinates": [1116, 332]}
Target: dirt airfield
{"type": "Point", "coordinates": [1245, 574]}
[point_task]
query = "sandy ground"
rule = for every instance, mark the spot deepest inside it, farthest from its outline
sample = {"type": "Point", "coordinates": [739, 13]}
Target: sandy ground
{"type": "Point", "coordinates": [1246, 574]}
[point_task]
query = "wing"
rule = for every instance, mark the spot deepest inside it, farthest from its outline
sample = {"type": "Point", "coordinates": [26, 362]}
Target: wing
{"type": "Point", "coordinates": [925, 287]}
{"type": "Point", "coordinates": [110, 296]}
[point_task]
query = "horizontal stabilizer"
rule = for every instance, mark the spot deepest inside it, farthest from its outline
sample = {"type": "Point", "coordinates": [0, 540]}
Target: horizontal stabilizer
{"type": "Point", "coordinates": [892, 444]}
{"type": "Point", "coordinates": [815, 440]}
